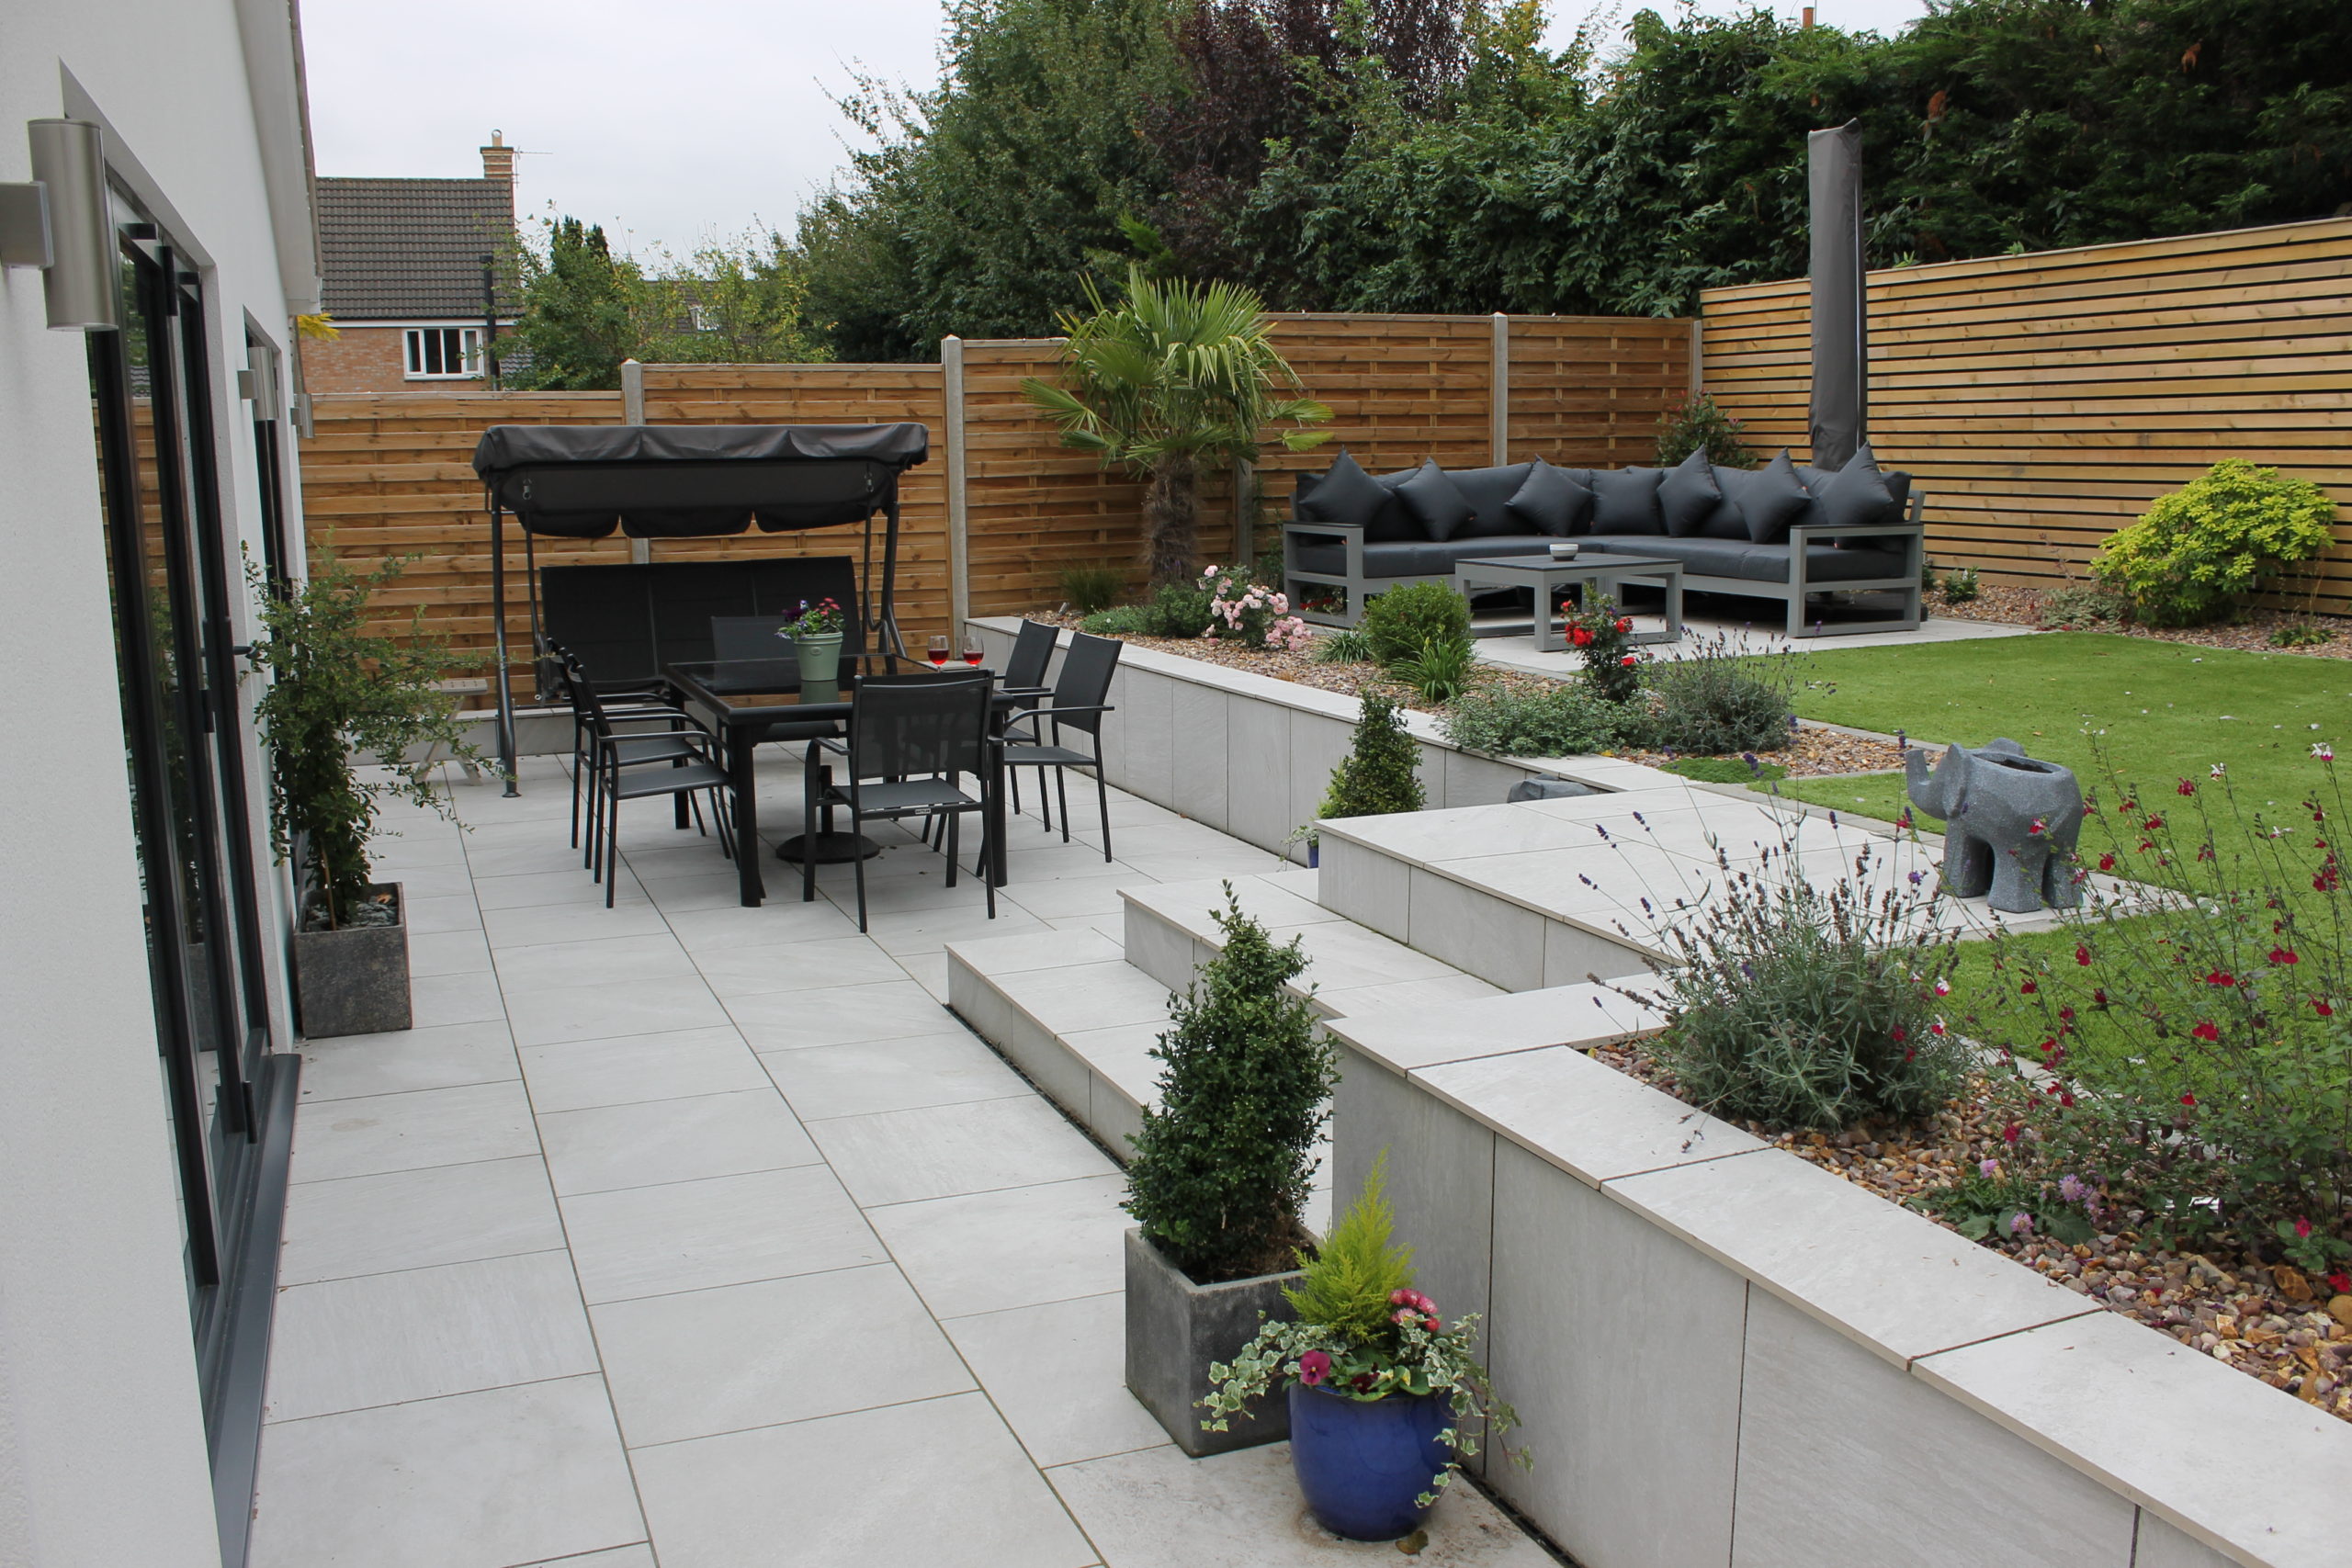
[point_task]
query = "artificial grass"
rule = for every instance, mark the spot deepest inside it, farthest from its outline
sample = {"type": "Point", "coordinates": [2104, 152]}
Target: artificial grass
{"type": "Point", "coordinates": [2148, 712]}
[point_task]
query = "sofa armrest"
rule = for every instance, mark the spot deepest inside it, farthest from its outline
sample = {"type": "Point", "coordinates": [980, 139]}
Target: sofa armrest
{"type": "Point", "coordinates": [1349, 537]}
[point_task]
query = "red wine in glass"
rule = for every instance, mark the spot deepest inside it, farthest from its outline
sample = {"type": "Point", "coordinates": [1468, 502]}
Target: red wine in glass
{"type": "Point", "coordinates": [937, 653]}
{"type": "Point", "coordinates": [974, 653]}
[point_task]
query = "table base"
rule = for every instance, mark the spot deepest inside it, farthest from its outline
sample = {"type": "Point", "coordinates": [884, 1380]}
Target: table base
{"type": "Point", "coordinates": [828, 849]}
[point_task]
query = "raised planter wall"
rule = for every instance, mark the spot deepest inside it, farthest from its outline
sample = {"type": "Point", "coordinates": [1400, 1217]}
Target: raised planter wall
{"type": "Point", "coordinates": [1726, 1355]}
{"type": "Point", "coordinates": [1251, 755]}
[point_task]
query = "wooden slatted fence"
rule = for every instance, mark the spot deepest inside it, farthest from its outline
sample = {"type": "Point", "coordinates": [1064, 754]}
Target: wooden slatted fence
{"type": "Point", "coordinates": [2044, 400]}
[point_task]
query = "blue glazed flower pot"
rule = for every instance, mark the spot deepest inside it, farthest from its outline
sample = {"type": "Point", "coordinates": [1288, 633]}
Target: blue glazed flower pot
{"type": "Point", "coordinates": [1360, 1465]}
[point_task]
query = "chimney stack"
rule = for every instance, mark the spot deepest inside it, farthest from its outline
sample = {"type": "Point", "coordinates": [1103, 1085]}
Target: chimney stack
{"type": "Point", "coordinates": [498, 160]}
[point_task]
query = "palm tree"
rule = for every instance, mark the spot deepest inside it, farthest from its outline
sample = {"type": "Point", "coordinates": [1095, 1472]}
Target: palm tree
{"type": "Point", "coordinates": [1174, 373]}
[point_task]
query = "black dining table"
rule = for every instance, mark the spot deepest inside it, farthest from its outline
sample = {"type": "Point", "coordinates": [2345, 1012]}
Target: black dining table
{"type": "Point", "coordinates": [747, 698]}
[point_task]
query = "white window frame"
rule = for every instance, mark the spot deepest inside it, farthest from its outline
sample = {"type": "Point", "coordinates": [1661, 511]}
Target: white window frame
{"type": "Point", "coordinates": [419, 345]}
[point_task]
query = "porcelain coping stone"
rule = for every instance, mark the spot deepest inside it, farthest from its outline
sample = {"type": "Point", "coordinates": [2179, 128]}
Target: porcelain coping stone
{"type": "Point", "coordinates": [1193, 907]}
{"type": "Point", "coordinates": [2136, 1409]}
{"type": "Point", "coordinates": [1588, 1119]}
{"type": "Point", "coordinates": [1406, 1040]}
{"type": "Point", "coordinates": [1893, 1280]}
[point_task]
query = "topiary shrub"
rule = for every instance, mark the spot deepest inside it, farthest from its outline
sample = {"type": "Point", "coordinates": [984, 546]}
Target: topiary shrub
{"type": "Point", "coordinates": [1401, 621]}
{"type": "Point", "coordinates": [2220, 536]}
{"type": "Point", "coordinates": [1223, 1165]}
{"type": "Point", "coordinates": [1564, 723]}
{"type": "Point", "coordinates": [1381, 774]}
{"type": "Point", "coordinates": [1715, 702]}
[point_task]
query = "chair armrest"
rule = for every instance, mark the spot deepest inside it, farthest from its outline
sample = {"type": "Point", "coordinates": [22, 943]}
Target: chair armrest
{"type": "Point", "coordinates": [1027, 714]}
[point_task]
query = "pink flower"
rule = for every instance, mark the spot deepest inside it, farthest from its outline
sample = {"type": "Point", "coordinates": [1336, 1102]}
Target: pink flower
{"type": "Point", "coordinates": [1399, 1298]}
{"type": "Point", "coordinates": [2322, 753]}
{"type": "Point", "coordinates": [1943, 987]}
{"type": "Point", "coordinates": [1313, 1368]}
{"type": "Point", "coordinates": [1208, 571]}
{"type": "Point", "coordinates": [1431, 1324]}
{"type": "Point", "coordinates": [2022, 1225]}
{"type": "Point", "coordinates": [2302, 1229]}
{"type": "Point", "coordinates": [1988, 1167]}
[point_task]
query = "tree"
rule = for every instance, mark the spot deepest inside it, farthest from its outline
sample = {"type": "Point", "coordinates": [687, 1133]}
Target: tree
{"type": "Point", "coordinates": [580, 316]}
{"type": "Point", "coordinates": [1174, 373]}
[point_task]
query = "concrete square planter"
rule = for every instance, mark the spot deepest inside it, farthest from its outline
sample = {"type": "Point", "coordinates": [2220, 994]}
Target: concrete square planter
{"type": "Point", "coordinates": [354, 981]}
{"type": "Point", "coordinates": [1175, 1330]}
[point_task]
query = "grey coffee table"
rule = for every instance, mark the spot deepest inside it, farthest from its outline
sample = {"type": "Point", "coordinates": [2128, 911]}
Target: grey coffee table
{"type": "Point", "coordinates": [1593, 569]}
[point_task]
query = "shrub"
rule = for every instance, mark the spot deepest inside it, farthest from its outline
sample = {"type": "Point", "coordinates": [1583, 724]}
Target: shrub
{"type": "Point", "coordinates": [1604, 637]}
{"type": "Point", "coordinates": [336, 694]}
{"type": "Point", "coordinates": [2220, 535]}
{"type": "Point", "coordinates": [1346, 646]}
{"type": "Point", "coordinates": [1962, 587]}
{"type": "Point", "coordinates": [1090, 588]}
{"type": "Point", "coordinates": [1568, 722]}
{"type": "Point", "coordinates": [1715, 702]}
{"type": "Point", "coordinates": [1124, 620]}
{"type": "Point", "coordinates": [1700, 423]}
{"type": "Point", "coordinates": [1244, 610]}
{"type": "Point", "coordinates": [1399, 621]}
{"type": "Point", "coordinates": [1747, 770]}
{"type": "Point", "coordinates": [1222, 1167]}
{"type": "Point", "coordinates": [1798, 1007]}
{"type": "Point", "coordinates": [1440, 671]}
{"type": "Point", "coordinates": [2080, 605]}
{"type": "Point", "coordinates": [2301, 634]}
{"type": "Point", "coordinates": [1381, 774]}
{"type": "Point", "coordinates": [1177, 609]}
{"type": "Point", "coordinates": [2198, 1029]}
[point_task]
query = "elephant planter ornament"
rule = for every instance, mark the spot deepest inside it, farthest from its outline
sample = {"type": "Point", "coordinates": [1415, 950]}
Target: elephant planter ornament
{"type": "Point", "coordinates": [2010, 823]}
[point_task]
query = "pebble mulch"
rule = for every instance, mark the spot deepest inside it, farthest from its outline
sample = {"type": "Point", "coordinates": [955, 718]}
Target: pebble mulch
{"type": "Point", "coordinates": [2266, 1321]}
{"type": "Point", "coordinates": [1813, 753]}
{"type": "Point", "coordinates": [2022, 608]}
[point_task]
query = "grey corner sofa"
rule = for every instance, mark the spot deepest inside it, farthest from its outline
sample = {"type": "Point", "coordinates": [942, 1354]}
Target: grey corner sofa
{"type": "Point", "coordinates": [1783, 531]}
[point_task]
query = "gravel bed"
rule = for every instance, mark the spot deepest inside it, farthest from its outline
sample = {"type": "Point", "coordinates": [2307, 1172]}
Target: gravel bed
{"type": "Point", "coordinates": [2265, 1320]}
{"type": "Point", "coordinates": [2022, 608]}
{"type": "Point", "coordinates": [1811, 753]}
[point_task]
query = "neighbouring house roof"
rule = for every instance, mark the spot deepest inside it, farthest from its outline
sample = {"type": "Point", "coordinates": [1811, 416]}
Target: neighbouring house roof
{"type": "Point", "coordinates": [412, 250]}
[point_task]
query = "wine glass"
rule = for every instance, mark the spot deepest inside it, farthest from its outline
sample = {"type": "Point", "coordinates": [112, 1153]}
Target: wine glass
{"type": "Point", "coordinates": [937, 653]}
{"type": "Point", "coordinates": [973, 651]}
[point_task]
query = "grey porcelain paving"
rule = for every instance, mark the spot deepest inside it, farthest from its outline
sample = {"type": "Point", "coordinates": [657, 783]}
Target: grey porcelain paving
{"type": "Point", "coordinates": [940, 1484]}
{"type": "Point", "coordinates": [571, 922]}
{"type": "Point", "coordinates": [481, 1480]}
{"type": "Point", "coordinates": [598, 961]}
{"type": "Point", "coordinates": [407, 1132]}
{"type": "Point", "coordinates": [443, 1057]}
{"type": "Point", "coordinates": [702, 1362]}
{"type": "Point", "coordinates": [838, 1015]}
{"type": "Point", "coordinates": [447, 953]}
{"type": "Point", "coordinates": [631, 1068]}
{"type": "Point", "coordinates": [796, 966]}
{"type": "Point", "coordinates": [599, 1013]}
{"type": "Point", "coordinates": [469, 997]}
{"type": "Point", "coordinates": [728, 1230]}
{"type": "Point", "coordinates": [898, 1156]}
{"type": "Point", "coordinates": [1056, 1370]}
{"type": "Point", "coordinates": [1015, 1246]}
{"type": "Point", "coordinates": [420, 1333]}
{"type": "Point", "coordinates": [413, 1219]}
{"type": "Point", "coordinates": [656, 1141]}
{"type": "Point", "coordinates": [891, 1075]}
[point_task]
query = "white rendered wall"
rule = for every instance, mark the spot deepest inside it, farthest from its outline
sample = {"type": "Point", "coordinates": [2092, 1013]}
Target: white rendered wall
{"type": "Point", "coordinates": [103, 1460]}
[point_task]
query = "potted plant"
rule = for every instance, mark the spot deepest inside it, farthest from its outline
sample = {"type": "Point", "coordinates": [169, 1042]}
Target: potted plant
{"type": "Point", "coordinates": [1385, 1398]}
{"type": "Point", "coordinates": [816, 634]}
{"type": "Point", "coordinates": [1381, 772]}
{"type": "Point", "coordinates": [337, 694]}
{"type": "Point", "coordinates": [1220, 1176]}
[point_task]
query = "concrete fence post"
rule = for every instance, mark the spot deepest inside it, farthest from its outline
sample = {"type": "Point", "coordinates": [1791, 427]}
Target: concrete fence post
{"type": "Point", "coordinates": [633, 412]}
{"type": "Point", "coordinates": [959, 552]}
{"type": "Point", "coordinates": [1498, 394]}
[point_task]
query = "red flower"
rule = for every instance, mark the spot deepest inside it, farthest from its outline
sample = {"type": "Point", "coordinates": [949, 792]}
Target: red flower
{"type": "Point", "coordinates": [2152, 823]}
{"type": "Point", "coordinates": [2303, 1227]}
{"type": "Point", "coordinates": [2221, 977]}
{"type": "Point", "coordinates": [2047, 1046]}
{"type": "Point", "coordinates": [2188, 1099]}
{"type": "Point", "coordinates": [2067, 1100]}
{"type": "Point", "coordinates": [1431, 1324]}
{"type": "Point", "coordinates": [2340, 1282]}
{"type": "Point", "coordinates": [2321, 1009]}
{"type": "Point", "coordinates": [2185, 787]}
{"type": "Point", "coordinates": [2207, 1031]}
{"type": "Point", "coordinates": [2326, 881]}
{"type": "Point", "coordinates": [2067, 1014]}
{"type": "Point", "coordinates": [1580, 636]}
{"type": "Point", "coordinates": [2081, 954]}
{"type": "Point", "coordinates": [2012, 1132]}
{"type": "Point", "coordinates": [2098, 998]}
{"type": "Point", "coordinates": [2107, 863]}
{"type": "Point", "coordinates": [1624, 625]}
{"type": "Point", "coordinates": [2028, 989]}
{"type": "Point", "coordinates": [2284, 955]}
{"type": "Point", "coordinates": [1629, 661]}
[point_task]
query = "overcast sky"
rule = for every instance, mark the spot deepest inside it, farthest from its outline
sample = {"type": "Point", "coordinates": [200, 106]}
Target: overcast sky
{"type": "Point", "coordinates": [666, 123]}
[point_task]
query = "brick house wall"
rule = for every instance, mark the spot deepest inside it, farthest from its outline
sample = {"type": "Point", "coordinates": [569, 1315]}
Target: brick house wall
{"type": "Point", "coordinates": [364, 359]}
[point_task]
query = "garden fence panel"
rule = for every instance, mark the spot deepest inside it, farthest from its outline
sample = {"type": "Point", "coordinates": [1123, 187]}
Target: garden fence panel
{"type": "Point", "coordinates": [2045, 399]}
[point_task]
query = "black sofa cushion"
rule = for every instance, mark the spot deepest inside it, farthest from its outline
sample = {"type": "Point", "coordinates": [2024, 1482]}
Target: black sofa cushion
{"type": "Point", "coordinates": [1624, 501]}
{"type": "Point", "coordinates": [1436, 502]}
{"type": "Point", "coordinates": [1426, 559]}
{"type": "Point", "coordinates": [1552, 501]}
{"type": "Point", "coordinates": [1687, 495]}
{"type": "Point", "coordinates": [1772, 500]}
{"type": "Point", "coordinates": [1727, 521]}
{"type": "Point", "coordinates": [1490, 490]}
{"type": "Point", "coordinates": [1344, 493]}
{"type": "Point", "coordinates": [1856, 495]}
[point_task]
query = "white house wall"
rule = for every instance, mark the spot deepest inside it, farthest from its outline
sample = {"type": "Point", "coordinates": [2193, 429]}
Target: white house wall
{"type": "Point", "coordinates": [102, 1449]}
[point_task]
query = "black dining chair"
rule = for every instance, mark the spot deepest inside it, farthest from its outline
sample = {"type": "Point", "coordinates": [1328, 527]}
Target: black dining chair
{"type": "Point", "coordinates": [1024, 675]}
{"type": "Point", "coordinates": [680, 763]}
{"type": "Point", "coordinates": [641, 717]}
{"type": "Point", "coordinates": [1077, 707]}
{"type": "Point", "coordinates": [911, 738]}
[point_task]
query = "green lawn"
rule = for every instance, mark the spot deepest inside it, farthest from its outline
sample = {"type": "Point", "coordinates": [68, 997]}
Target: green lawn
{"type": "Point", "coordinates": [2160, 711]}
